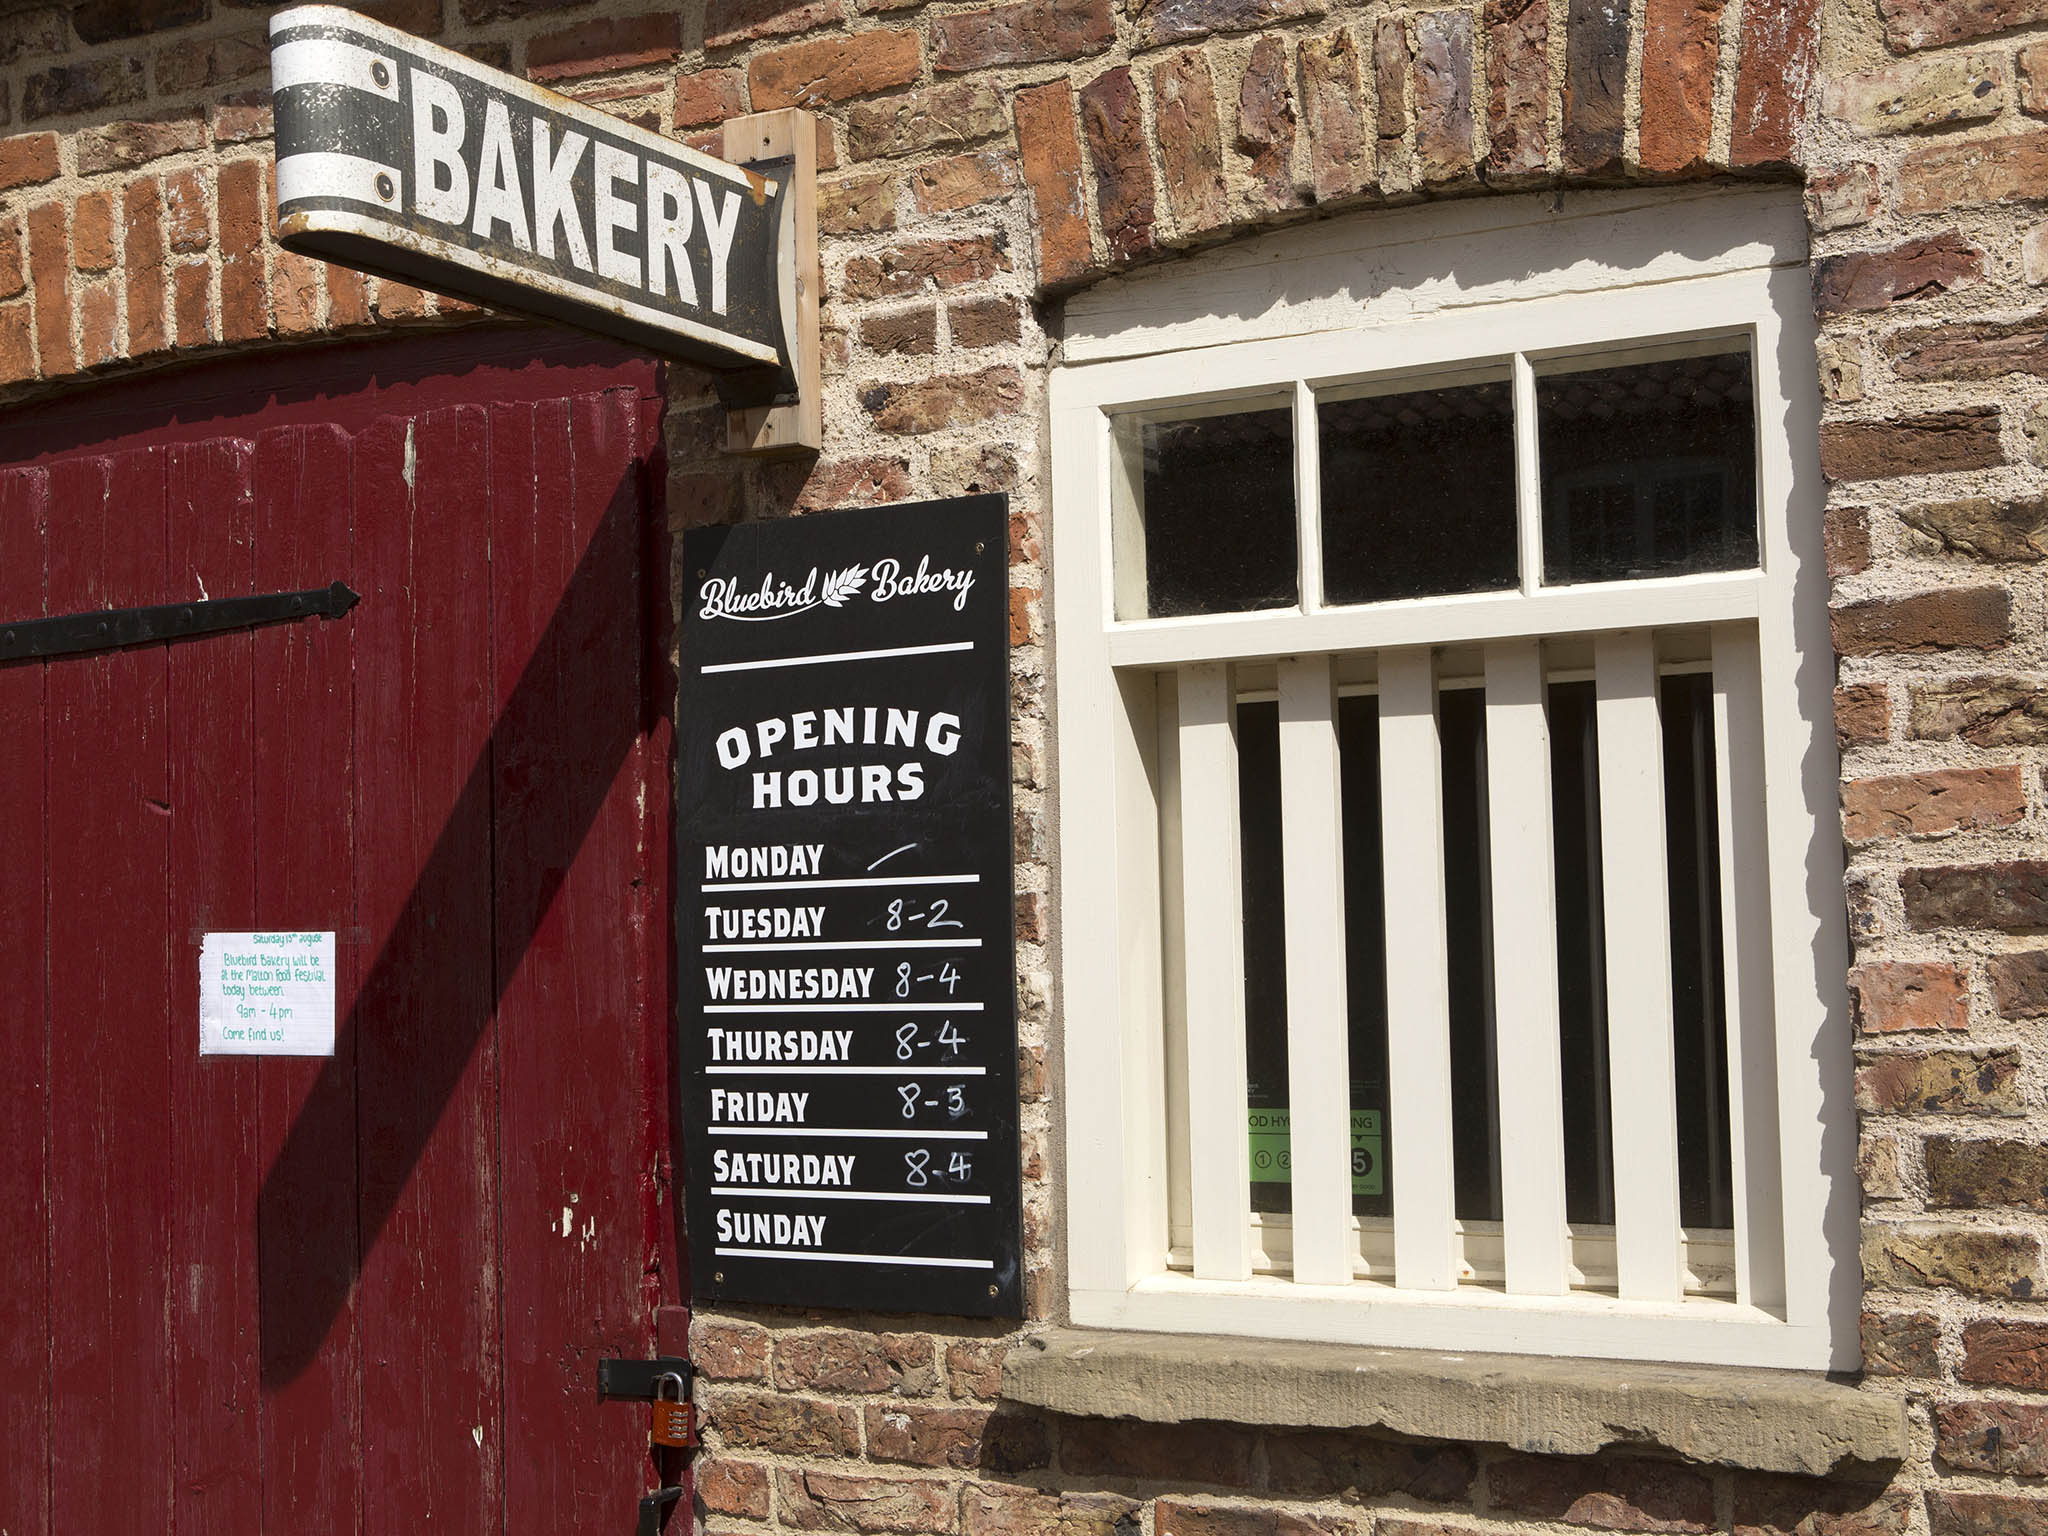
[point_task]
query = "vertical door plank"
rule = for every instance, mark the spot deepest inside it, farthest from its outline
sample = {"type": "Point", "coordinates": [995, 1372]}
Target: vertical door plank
{"type": "Point", "coordinates": [573, 919]}
{"type": "Point", "coordinates": [24, 1025]}
{"type": "Point", "coordinates": [1638, 927]}
{"type": "Point", "coordinates": [109, 967]}
{"type": "Point", "coordinates": [305, 849]}
{"type": "Point", "coordinates": [1318, 1014]}
{"type": "Point", "coordinates": [215, 1131]}
{"type": "Point", "coordinates": [426, 1062]}
{"type": "Point", "coordinates": [1213, 926]}
{"type": "Point", "coordinates": [1746, 968]}
{"type": "Point", "coordinates": [1418, 973]}
{"type": "Point", "coordinates": [1529, 1076]}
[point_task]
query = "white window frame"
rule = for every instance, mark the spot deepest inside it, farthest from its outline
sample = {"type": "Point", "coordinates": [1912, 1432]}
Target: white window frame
{"type": "Point", "coordinates": [1399, 293]}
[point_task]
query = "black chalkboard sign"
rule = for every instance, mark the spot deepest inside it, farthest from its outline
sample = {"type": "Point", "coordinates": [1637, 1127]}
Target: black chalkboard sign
{"type": "Point", "coordinates": [843, 905]}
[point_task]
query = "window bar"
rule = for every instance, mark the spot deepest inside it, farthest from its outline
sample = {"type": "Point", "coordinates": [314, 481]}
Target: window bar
{"type": "Point", "coordinates": [1529, 1077]}
{"type": "Point", "coordinates": [1638, 929]}
{"type": "Point", "coordinates": [1528, 478]}
{"type": "Point", "coordinates": [1746, 968]}
{"type": "Point", "coordinates": [1418, 988]}
{"type": "Point", "coordinates": [1213, 959]}
{"type": "Point", "coordinates": [1308, 497]}
{"type": "Point", "coordinates": [1180, 1211]}
{"type": "Point", "coordinates": [1147, 1219]}
{"type": "Point", "coordinates": [1318, 1013]}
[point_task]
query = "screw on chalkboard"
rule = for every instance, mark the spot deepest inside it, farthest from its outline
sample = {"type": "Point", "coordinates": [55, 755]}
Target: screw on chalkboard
{"type": "Point", "coordinates": [718, 1277]}
{"type": "Point", "coordinates": [977, 550]}
{"type": "Point", "coordinates": [995, 1291]}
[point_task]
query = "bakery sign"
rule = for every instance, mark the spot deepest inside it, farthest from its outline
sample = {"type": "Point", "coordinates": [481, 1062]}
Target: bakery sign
{"type": "Point", "coordinates": [403, 158]}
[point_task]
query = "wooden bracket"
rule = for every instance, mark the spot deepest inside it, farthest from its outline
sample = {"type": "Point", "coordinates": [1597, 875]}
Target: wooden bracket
{"type": "Point", "coordinates": [788, 134]}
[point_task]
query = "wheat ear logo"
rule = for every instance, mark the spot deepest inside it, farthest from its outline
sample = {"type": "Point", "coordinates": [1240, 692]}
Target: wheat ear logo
{"type": "Point", "coordinates": [841, 585]}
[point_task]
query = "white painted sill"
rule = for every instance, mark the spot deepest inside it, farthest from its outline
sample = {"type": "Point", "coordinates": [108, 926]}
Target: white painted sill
{"type": "Point", "coordinates": [1761, 1420]}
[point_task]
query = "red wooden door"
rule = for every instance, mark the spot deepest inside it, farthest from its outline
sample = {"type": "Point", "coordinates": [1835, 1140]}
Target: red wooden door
{"type": "Point", "coordinates": [365, 1293]}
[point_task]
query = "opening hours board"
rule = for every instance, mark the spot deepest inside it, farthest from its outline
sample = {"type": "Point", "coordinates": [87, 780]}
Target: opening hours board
{"type": "Point", "coordinates": [848, 994]}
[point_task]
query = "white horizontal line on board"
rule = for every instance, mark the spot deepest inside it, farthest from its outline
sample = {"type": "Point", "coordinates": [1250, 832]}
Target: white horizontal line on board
{"type": "Point", "coordinates": [842, 1008]}
{"type": "Point", "coordinates": [756, 949]}
{"type": "Point", "coordinates": [805, 1130]}
{"type": "Point", "coordinates": [853, 1258]}
{"type": "Point", "coordinates": [806, 885]}
{"type": "Point", "coordinates": [910, 1070]}
{"type": "Point", "coordinates": [820, 660]}
{"type": "Point", "coordinates": [846, 1194]}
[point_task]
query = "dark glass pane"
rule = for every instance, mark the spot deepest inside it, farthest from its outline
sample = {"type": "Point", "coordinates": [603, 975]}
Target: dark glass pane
{"type": "Point", "coordinates": [1418, 493]}
{"type": "Point", "coordinates": [1365, 956]}
{"type": "Point", "coordinates": [1468, 910]}
{"type": "Point", "coordinates": [1265, 953]}
{"type": "Point", "coordinates": [1648, 470]}
{"type": "Point", "coordinates": [1699, 1018]}
{"type": "Point", "coordinates": [1581, 956]}
{"type": "Point", "coordinates": [1219, 514]}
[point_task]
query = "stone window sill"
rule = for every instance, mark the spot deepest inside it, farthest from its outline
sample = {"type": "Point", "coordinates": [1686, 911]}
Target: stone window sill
{"type": "Point", "coordinates": [1768, 1421]}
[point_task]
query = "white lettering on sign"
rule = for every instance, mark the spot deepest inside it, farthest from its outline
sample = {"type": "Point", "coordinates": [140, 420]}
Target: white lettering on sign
{"type": "Point", "coordinates": [815, 1170]}
{"type": "Point", "coordinates": [780, 1044]}
{"type": "Point", "coordinates": [266, 994]}
{"type": "Point", "coordinates": [730, 984]}
{"type": "Point", "coordinates": [766, 1108]}
{"type": "Point", "coordinates": [775, 1230]}
{"type": "Point", "coordinates": [723, 862]}
{"type": "Point", "coordinates": [721, 597]}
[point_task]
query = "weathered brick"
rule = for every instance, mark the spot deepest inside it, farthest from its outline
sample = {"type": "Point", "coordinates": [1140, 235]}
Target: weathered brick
{"type": "Point", "coordinates": [244, 310]}
{"type": "Point", "coordinates": [482, 12]}
{"type": "Point", "coordinates": [1112, 121]}
{"type": "Point", "coordinates": [709, 96]}
{"type": "Point", "coordinates": [991, 1509]}
{"type": "Point", "coordinates": [1953, 617]}
{"type": "Point", "coordinates": [908, 331]}
{"type": "Point", "coordinates": [1814, 1506]}
{"type": "Point", "coordinates": [1179, 21]}
{"type": "Point", "coordinates": [108, 21]}
{"type": "Point", "coordinates": [297, 285]}
{"type": "Point", "coordinates": [945, 400]}
{"type": "Point", "coordinates": [13, 273]}
{"type": "Point", "coordinates": [1684, 40]}
{"type": "Point", "coordinates": [599, 45]}
{"type": "Point", "coordinates": [1443, 96]}
{"type": "Point", "coordinates": [728, 1351]}
{"type": "Point", "coordinates": [1879, 1170]}
{"type": "Point", "coordinates": [1954, 1512]}
{"type": "Point", "coordinates": [1901, 1344]}
{"type": "Point", "coordinates": [197, 63]}
{"type": "Point", "coordinates": [794, 1426]}
{"type": "Point", "coordinates": [925, 266]}
{"type": "Point", "coordinates": [237, 122]}
{"type": "Point", "coordinates": [1622, 1493]}
{"type": "Point", "coordinates": [832, 69]}
{"type": "Point", "coordinates": [828, 1501]}
{"type": "Point", "coordinates": [1910, 24]}
{"type": "Point", "coordinates": [2002, 1352]}
{"type": "Point", "coordinates": [831, 1360]}
{"type": "Point", "coordinates": [1127, 1448]}
{"type": "Point", "coordinates": [1940, 1083]}
{"type": "Point", "coordinates": [1517, 89]}
{"type": "Point", "coordinates": [27, 160]}
{"type": "Point", "coordinates": [1930, 1255]}
{"type": "Point", "coordinates": [1980, 528]}
{"type": "Point", "coordinates": [2012, 896]}
{"type": "Point", "coordinates": [49, 269]}
{"type": "Point", "coordinates": [984, 322]}
{"type": "Point", "coordinates": [1320, 1464]}
{"type": "Point", "coordinates": [1937, 443]}
{"type": "Point", "coordinates": [1333, 109]}
{"type": "Point", "coordinates": [1971, 1173]}
{"type": "Point", "coordinates": [963, 181]}
{"type": "Point", "coordinates": [17, 344]}
{"type": "Point", "coordinates": [1922, 804]}
{"type": "Point", "coordinates": [187, 225]}
{"type": "Point", "coordinates": [728, 23]}
{"type": "Point", "coordinates": [28, 32]}
{"type": "Point", "coordinates": [1392, 1525]}
{"type": "Point", "coordinates": [2005, 1439]}
{"type": "Point", "coordinates": [1190, 142]}
{"type": "Point", "coordinates": [1863, 715]}
{"type": "Point", "coordinates": [953, 113]}
{"type": "Point", "coordinates": [98, 312]}
{"type": "Point", "coordinates": [1596, 66]}
{"type": "Point", "coordinates": [870, 479]}
{"type": "Point", "coordinates": [974, 1368]}
{"type": "Point", "coordinates": [93, 86]}
{"type": "Point", "coordinates": [964, 1438]}
{"type": "Point", "coordinates": [857, 205]}
{"type": "Point", "coordinates": [1027, 32]}
{"type": "Point", "coordinates": [192, 303]}
{"type": "Point", "coordinates": [1928, 93]}
{"type": "Point", "coordinates": [120, 146]}
{"type": "Point", "coordinates": [1843, 198]}
{"type": "Point", "coordinates": [1178, 1517]}
{"type": "Point", "coordinates": [2033, 79]}
{"type": "Point", "coordinates": [1048, 143]}
{"type": "Point", "coordinates": [2013, 166]}
{"type": "Point", "coordinates": [1984, 711]}
{"type": "Point", "coordinates": [728, 1487]}
{"type": "Point", "coordinates": [1899, 995]}
{"type": "Point", "coordinates": [1973, 351]}
{"type": "Point", "coordinates": [1845, 535]}
{"type": "Point", "coordinates": [422, 18]}
{"type": "Point", "coordinates": [92, 232]}
{"type": "Point", "coordinates": [1919, 269]}
{"type": "Point", "coordinates": [2019, 983]}
{"type": "Point", "coordinates": [1265, 125]}
{"type": "Point", "coordinates": [1780, 51]}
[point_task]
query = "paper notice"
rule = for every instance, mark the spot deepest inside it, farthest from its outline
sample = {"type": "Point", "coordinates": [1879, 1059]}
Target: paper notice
{"type": "Point", "coordinates": [266, 994]}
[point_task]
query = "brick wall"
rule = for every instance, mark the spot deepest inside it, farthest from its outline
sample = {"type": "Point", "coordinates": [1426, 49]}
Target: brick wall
{"type": "Point", "coordinates": [979, 161]}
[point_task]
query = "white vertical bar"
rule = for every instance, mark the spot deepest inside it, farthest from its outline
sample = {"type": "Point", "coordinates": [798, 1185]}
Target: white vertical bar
{"type": "Point", "coordinates": [1213, 927]}
{"type": "Point", "coordinates": [1308, 497]}
{"type": "Point", "coordinates": [1135, 726]}
{"type": "Point", "coordinates": [1530, 1077]}
{"type": "Point", "coordinates": [1418, 972]}
{"type": "Point", "coordinates": [1746, 967]}
{"type": "Point", "coordinates": [1638, 929]}
{"type": "Point", "coordinates": [1318, 1015]}
{"type": "Point", "coordinates": [1180, 1210]}
{"type": "Point", "coordinates": [1528, 478]}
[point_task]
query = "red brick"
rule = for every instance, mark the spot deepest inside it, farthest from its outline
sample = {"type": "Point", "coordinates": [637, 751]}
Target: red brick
{"type": "Point", "coordinates": [92, 232]}
{"type": "Point", "coordinates": [1681, 53]}
{"type": "Point", "coordinates": [907, 331]}
{"type": "Point", "coordinates": [1978, 1083]}
{"type": "Point", "coordinates": [1517, 89]}
{"type": "Point", "coordinates": [1179, 21]}
{"type": "Point", "coordinates": [844, 1360]}
{"type": "Point", "coordinates": [1908, 995]}
{"type": "Point", "coordinates": [238, 122]}
{"type": "Point", "coordinates": [17, 345]}
{"type": "Point", "coordinates": [1845, 533]}
{"type": "Point", "coordinates": [729, 22]}
{"type": "Point", "coordinates": [728, 1351]}
{"type": "Point", "coordinates": [121, 146]}
{"type": "Point", "coordinates": [1911, 24]}
{"type": "Point", "coordinates": [1982, 528]}
{"type": "Point", "coordinates": [1919, 269]}
{"type": "Point", "coordinates": [2001, 1352]}
{"type": "Point", "coordinates": [244, 301]}
{"type": "Point", "coordinates": [1112, 120]}
{"type": "Point", "coordinates": [399, 301]}
{"type": "Point", "coordinates": [598, 45]}
{"type": "Point", "coordinates": [1975, 1173]}
{"type": "Point", "coordinates": [1921, 804]}
{"type": "Point", "coordinates": [1815, 1506]}
{"type": "Point", "coordinates": [27, 159]}
{"type": "Point", "coordinates": [1443, 96]}
{"type": "Point", "coordinates": [1265, 125]}
{"type": "Point", "coordinates": [832, 69]}
{"type": "Point", "coordinates": [186, 226]}
{"type": "Point", "coordinates": [13, 274]}
{"type": "Point", "coordinates": [2004, 169]}
{"type": "Point", "coordinates": [1177, 1517]}
{"type": "Point", "coordinates": [1937, 443]}
{"type": "Point", "coordinates": [2011, 896]}
{"type": "Point", "coordinates": [710, 96]}
{"type": "Point", "coordinates": [2005, 1439]}
{"type": "Point", "coordinates": [1049, 145]}
{"type": "Point", "coordinates": [870, 479]}
{"type": "Point", "coordinates": [1901, 1344]}
{"type": "Point", "coordinates": [926, 1436]}
{"type": "Point", "coordinates": [482, 12]}
{"type": "Point", "coordinates": [66, 90]}
{"type": "Point", "coordinates": [991, 1509]}
{"type": "Point", "coordinates": [27, 32]}
{"type": "Point", "coordinates": [1977, 1261]}
{"type": "Point", "coordinates": [297, 286]}
{"type": "Point", "coordinates": [925, 266]}
{"type": "Point", "coordinates": [1953, 1512]}
{"type": "Point", "coordinates": [1975, 351]}
{"type": "Point", "coordinates": [963, 181]}
{"type": "Point", "coordinates": [1843, 198]}
{"type": "Point", "coordinates": [1028, 32]}
{"type": "Point", "coordinates": [1333, 110]}
{"type": "Point", "coordinates": [944, 116]}
{"type": "Point", "coordinates": [1126, 1447]}
{"type": "Point", "coordinates": [1977, 617]}
{"type": "Point", "coordinates": [727, 1487]}
{"type": "Point", "coordinates": [197, 63]}
{"type": "Point", "coordinates": [348, 298]}
{"type": "Point", "coordinates": [1613, 1494]}
{"type": "Point", "coordinates": [1323, 1464]}
{"type": "Point", "coordinates": [857, 205]}
{"type": "Point", "coordinates": [192, 303]}
{"type": "Point", "coordinates": [827, 1501]}
{"type": "Point", "coordinates": [983, 322]}
{"type": "Point", "coordinates": [99, 324]}
{"type": "Point", "coordinates": [2019, 983]}
{"type": "Point", "coordinates": [1863, 714]}
{"type": "Point", "coordinates": [49, 266]}
{"type": "Point", "coordinates": [792, 1426]}
{"type": "Point", "coordinates": [1596, 66]}
{"type": "Point", "coordinates": [2033, 71]}
{"type": "Point", "coordinates": [974, 1368]}
{"type": "Point", "coordinates": [107, 21]}
{"type": "Point", "coordinates": [1190, 143]}
{"type": "Point", "coordinates": [944, 400]}
{"type": "Point", "coordinates": [1984, 711]}
{"type": "Point", "coordinates": [1780, 51]}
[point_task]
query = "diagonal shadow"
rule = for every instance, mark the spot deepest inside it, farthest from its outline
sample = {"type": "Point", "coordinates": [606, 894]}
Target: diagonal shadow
{"type": "Point", "coordinates": [319, 1214]}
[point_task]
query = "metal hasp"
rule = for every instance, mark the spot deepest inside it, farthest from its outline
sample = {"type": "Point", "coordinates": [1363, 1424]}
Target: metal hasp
{"type": "Point", "coordinates": [639, 1378]}
{"type": "Point", "coordinates": [402, 158]}
{"type": "Point", "coordinates": [651, 1507]}
{"type": "Point", "coordinates": [74, 634]}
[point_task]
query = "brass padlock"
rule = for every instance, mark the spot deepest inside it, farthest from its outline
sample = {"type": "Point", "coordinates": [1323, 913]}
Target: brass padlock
{"type": "Point", "coordinates": [674, 1424]}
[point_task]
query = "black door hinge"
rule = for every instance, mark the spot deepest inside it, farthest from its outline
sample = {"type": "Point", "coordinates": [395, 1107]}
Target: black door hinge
{"type": "Point", "coordinates": [74, 634]}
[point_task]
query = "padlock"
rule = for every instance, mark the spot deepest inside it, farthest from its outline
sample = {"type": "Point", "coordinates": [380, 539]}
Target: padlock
{"type": "Point", "coordinates": [674, 1424]}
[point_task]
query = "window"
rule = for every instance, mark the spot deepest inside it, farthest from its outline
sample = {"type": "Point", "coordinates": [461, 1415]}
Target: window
{"type": "Point", "coordinates": [1449, 874]}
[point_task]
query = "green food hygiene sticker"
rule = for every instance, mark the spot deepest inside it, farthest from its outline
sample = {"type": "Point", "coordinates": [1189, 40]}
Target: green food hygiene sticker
{"type": "Point", "coordinates": [1271, 1163]}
